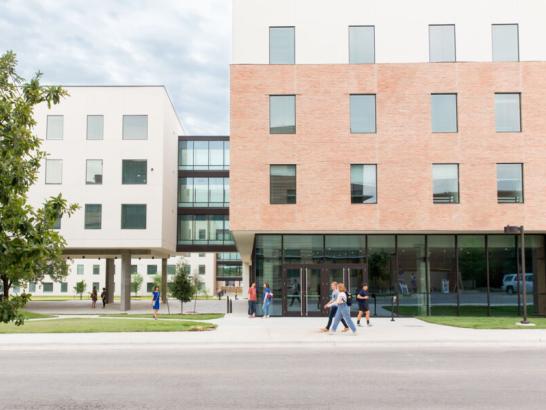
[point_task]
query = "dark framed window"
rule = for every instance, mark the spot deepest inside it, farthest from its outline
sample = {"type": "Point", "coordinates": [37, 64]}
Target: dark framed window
{"type": "Point", "coordinates": [508, 112]}
{"type": "Point", "coordinates": [282, 45]}
{"type": "Point", "coordinates": [134, 269]}
{"type": "Point", "coordinates": [134, 171]}
{"type": "Point", "coordinates": [203, 155]}
{"type": "Point", "coordinates": [93, 216]}
{"type": "Point", "coordinates": [150, 287]}
{"type": "Point", "coordinates": [510, 183]}
{"type": "Point", "coordinates": [64, 287]}
{"type": "Point", "coordinates": [505, 42]}
{"type": "Point", "coordinates": [282, 114]}
{"type": "Point", "coordinates": [204, 192]}
{"type": "Point", "coordinates": [96, 269]}
{"type": "Point", "coordinates": [133, 216]}
{"type": "Point", "coordinates": [361, 44]}
{"type": "Point", "coordinates": [362, 107]}
{"type": "Point", "coordinates": [171, 269]}
{"type": "Point", "coordinates": [443, 109]}
{"type": "Point", "coordinates": [47, 287]}
{"type": "Point", "coordinates": [204, 230]}
{"type": "Point", "coordinates": [151, 269]}
{"type": "Point", "coordinates": [442, 43]}
{"type": "Point", "coordinates": [363, 183]}
{"type": "Point", "coordinates": [282, 184]}
{"type": "Point", "coordinates": [135, 127]}
{"type": "Point", "coordinates": [445, 183]}
{"type": "Point", "coordinates": [202, 269]}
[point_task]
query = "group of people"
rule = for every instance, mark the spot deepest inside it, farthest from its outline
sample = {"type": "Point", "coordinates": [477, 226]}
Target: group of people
{"type": "Point", "coordinates": [156, 299]}
{"type": "Point", "coordinates": [339, 306]}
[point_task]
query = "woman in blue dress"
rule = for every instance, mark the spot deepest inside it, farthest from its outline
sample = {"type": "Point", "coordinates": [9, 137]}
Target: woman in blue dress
{"type": "Point", "coordinates": [268, 298]}
{"type": "Point", "coordinates": [155, 301]}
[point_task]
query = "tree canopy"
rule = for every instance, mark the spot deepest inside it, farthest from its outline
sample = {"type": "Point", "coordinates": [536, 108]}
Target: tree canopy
{"type": "Point", "coordinates": [29, 246]}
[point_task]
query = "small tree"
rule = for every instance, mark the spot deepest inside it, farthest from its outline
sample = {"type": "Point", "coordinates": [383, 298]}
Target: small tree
{"type": "Point", "coordinates": [182, 287]}
{"type": "Point", "coordinates": [136, 282]}
{"type": "Point", "coordinates": [198, 287]}
{"type": "Point", "coordinates": [80, 288]}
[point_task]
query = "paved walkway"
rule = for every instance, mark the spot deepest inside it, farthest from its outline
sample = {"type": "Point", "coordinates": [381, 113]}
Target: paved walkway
{"type": "Point", "coordinates": [238, 331]}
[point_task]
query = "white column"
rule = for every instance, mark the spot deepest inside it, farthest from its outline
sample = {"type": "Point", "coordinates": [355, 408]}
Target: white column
{"type": "Point", "coordinates": [125, 281]}
{"type": "Point", "coordinates": [246, 280]}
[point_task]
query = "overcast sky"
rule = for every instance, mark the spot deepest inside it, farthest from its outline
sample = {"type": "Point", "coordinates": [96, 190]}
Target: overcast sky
{"type": "Point", "coordinates": [182, 44]}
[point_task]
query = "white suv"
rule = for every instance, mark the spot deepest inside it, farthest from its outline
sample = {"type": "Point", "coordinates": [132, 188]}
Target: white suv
{"type": "Point", "coordinates": [510, 282]}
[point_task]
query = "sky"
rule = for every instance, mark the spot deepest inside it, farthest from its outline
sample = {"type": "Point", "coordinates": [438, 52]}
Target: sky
{"type": "Point", "coordinates": [182, 44]}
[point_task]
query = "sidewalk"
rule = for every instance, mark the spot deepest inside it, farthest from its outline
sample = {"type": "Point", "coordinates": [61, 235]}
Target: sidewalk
{"type": "Point", "coordinates": [236, 331]}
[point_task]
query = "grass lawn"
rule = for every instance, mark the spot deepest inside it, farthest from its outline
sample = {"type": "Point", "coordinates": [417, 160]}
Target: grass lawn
{"type": "Point", "coordinates": [190, 316]}
{"type": "Point", "coordinates": [466, 310]}
{"type": "Point", "coordinates": [33, 315]}
{"type": "Point", "coordinates": [494, 322]}
{"type": "Point", "coordinates": [105, 325]}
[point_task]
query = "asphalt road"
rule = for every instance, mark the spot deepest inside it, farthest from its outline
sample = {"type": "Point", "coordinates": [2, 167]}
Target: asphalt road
{"type": "Point", "coordinates": [287, 378]}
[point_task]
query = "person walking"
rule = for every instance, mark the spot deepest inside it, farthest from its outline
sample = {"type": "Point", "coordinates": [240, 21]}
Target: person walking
{"type": "Point", "coordinates": [94, 297]}
{"type": "Point", "coordinates": [252, 299]}
{"type": "Point", "coordinates": [333, 309]}
{"type": "Point", "coordinates": [104, 297]}
{"type": "Point", "coordinates": [343, 310]}
{"type": "Point", "coordinates": [268, 298]}
{"type": "Point", "coordinates": [155, 301]}
{"type": "Point", "coordinates": [363, 298]}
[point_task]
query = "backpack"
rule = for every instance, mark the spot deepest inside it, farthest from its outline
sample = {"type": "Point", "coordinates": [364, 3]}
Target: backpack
{"type": "Point", "coordinates": [349, 298]}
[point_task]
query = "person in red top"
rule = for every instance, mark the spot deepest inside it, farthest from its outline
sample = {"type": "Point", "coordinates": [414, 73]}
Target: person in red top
{"type": "Point", "coordinates": [252, 299]}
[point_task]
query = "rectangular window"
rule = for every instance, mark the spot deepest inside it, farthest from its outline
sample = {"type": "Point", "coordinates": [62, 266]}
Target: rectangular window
{"type": "Point", "coordinates": [361, 44]}
{"type": "Point", "coordinates": [203, 192]}
{"type": "Point", "coordinates": [134, 171]}
{"type": "Point", "coordinates": [203, 155]}
{"type": "Point", "coordinates": [171, 269]}
{"type": "Point", "coordinates": [95, 127]}
{"type": "Point", "coordinates": [135, 127]}
{"type": "Point", "coordinates": [32, 287]}
{"type": "Point", "coordinates": [363, 184]}
{"type": "Point", "coordinates": [201, 255]}
{"type": "Point", "coordinates": [47, 286]}
{"type": "Point", "coordinates": [133, 216]}
{"type": "Point", "coordinates": [55, 126]}
{"type": "Point", "coordinates": [185, 154]}
{"type": "Point", "coordinates": [282, 184]}
{"type": "Point", "coordinates": [96, 285]}
{"type": "Point", "coordinates": [93, 172]}
{"type": "Point", "coordinates": [282, 114]}
{"type": "Point", "coordinates": [204, 229]}
{"type": "Point", "coordinates": [151, 269]}
{"type": "Point", "coordinates": [445, 183]}
{"type": "Point", "coordinates": [443, 108]}
{"type": "Point", "coordinates": [202, 269]}
{"type": "Point", "coordinates": [508, 112]}
{"type": "Point", "coordinates": [441, 43]}
{"type": "Point", "coordinates": [134, 269]}
{"type": "Point", "coordinates": [80, 269]}
{"type": "Point", "coordinates": [64, 287]}
{"type": "Point", "coordinates": [54, 171]}
{"type": "Point", "coordinates": [150, 287]}
{"type": "Point", "coordinates": [282, 45]}
{"type": "Point", "coordinates": [93, 216]}
{"type": "Point", "coordinates": [57, 224]}
{"type": "Point", "coordinates": [505, 39]}
{"type": "Point", "coordinates": [362, 107]}
{"type": "Point", "coordinates": [216, 155]}
{"type": "Point", "coordinates": [510, 183]}
{"type": "Point", "coordinates": [96, 269]}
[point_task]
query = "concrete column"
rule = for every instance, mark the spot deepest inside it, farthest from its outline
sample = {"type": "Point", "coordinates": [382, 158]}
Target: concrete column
{"type": "Point", "coordinates": [110, 274]}
{"type": "Point", "coordinates": [125, 281]}
{"type": "Point", "coordinates": [245, 283]}
{"type": "Point", "coordinates": [164, 280]}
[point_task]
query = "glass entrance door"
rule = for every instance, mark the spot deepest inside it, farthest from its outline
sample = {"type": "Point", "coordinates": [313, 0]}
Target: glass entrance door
{"type": "Point", "coordinates": [291, 292]}
{"type": "Point", "coordinates": [305, 290]}
{"type": "Point", "coordinates": [352, 275]}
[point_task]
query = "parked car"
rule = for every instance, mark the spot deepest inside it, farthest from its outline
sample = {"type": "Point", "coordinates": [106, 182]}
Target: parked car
{"type": "Point", "coordinates": [510, 282]}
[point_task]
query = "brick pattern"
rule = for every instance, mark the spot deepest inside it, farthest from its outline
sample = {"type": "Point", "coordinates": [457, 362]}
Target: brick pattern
{"type": "Point", "coordinates": [403, 147]}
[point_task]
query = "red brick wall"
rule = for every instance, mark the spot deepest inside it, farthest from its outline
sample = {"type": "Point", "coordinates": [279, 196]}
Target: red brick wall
{"type": "Point", "coordinates": [403, 148]}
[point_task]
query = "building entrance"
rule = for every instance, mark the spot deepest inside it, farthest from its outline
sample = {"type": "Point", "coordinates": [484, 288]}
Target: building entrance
{"type": "Point", "coordinates": [306, 287]}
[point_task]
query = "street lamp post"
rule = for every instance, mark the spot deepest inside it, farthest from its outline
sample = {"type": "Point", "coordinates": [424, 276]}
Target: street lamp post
{"type": "Point", "coordinates": [521, 231]}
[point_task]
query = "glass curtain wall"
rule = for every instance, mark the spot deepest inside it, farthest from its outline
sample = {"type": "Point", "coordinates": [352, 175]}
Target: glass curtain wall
{"type": "Point", "coordinates": [412, 280]}
{"type": "Point", "coordinates": [473, 294]}
{"type": "Point", "coordinates": [442, 274]}
{"type": "Point", "coordinates": [381, 271]}
{"type": "Point", "coordinates": [268, 265]}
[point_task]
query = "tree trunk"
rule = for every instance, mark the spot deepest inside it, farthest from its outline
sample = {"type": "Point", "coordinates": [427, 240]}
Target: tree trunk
{"type": "Point", "coordinates": [7, 285]}
{"type": "Point", "coordinates": [181, 307]}
{"type": "Point", "coordinates": [195, 302]}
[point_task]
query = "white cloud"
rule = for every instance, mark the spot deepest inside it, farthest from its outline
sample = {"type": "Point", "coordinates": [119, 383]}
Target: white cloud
{"type": "Point", "coordinates": [183, 44]}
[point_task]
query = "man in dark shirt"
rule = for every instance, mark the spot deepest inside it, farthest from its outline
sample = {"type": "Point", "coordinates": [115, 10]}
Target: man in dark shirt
{"type": "Point", "coordinates": [362, 297]}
